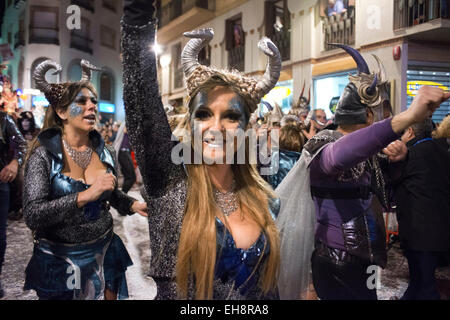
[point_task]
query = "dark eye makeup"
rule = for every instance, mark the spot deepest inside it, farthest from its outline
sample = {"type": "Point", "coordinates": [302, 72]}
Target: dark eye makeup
{"type": "Point", "coordinates": [232, 115]}
{"type": "Point", "coordinates": [202, 113]}
{"type": "Point", "coordinates": [83, 100]}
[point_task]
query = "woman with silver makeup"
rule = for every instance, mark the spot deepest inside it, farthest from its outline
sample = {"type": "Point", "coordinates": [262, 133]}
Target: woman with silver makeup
{"type": "Point", "coordinates": [212, 230]}
{"type": "Point", "coordinates": [70, 182]}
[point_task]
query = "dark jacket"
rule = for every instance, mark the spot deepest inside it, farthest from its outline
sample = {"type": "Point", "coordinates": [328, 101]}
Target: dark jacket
{"type": "Point", "coordinates": [422, 194]}
{"type": "Point", "coordinates": [10, 139]}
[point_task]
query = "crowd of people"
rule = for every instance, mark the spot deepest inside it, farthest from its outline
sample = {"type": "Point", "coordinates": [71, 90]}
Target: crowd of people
{"type": "Point", "coordinates": [306, 224]}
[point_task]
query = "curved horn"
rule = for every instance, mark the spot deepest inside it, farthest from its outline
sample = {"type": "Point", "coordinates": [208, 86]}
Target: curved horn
{"type": "Point", "coordinates": [189, 56]}
{"type": "Point", "coordinates": [86, 68]}
{"type": "Point", "coordinates": [268, 105]}
{"type": "Point", "coordinates": [303, 89]}
{"type": "Point", "coordinates": [41, 70]}
{"type": "Point", "coordinates": [360, 62]}
{"type": "Point", "coordinates": [381, 69]}
{"type": "Point", "coordinates": [372, 89]}
{"type": "Point", "coordinates": [273, 69]}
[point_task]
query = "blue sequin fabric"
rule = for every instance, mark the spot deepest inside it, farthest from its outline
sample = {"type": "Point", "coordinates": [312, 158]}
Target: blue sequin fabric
{"type": "Point", "coordinates": [235, 264]}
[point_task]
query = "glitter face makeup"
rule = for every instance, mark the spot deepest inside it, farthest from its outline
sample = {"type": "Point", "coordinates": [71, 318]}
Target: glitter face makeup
{"type": "Point", "coordinates": [217, 116]}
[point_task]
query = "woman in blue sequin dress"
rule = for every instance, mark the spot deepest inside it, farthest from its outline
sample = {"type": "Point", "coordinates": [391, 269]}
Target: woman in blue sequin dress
{"type": "Point", "coordinates": [70, 183]}
{"type": "Point", "coordinates": [212, 230]}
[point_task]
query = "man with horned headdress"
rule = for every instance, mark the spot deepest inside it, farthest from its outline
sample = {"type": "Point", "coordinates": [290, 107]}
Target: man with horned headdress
{"type": "Point", "coordinates": [341, 171]}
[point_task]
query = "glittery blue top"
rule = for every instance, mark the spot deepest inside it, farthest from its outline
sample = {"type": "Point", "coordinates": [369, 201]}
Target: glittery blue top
{"type": "Point", "coordinates": [237, 264]}
{"type": "Point", "coordinates": [50, 197]}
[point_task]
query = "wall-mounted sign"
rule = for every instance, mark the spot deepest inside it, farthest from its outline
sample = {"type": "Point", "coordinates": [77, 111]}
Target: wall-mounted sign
{"type": "Point", "coordinates": [413, 86]}
{"type": "Point", "coordinates": [106, 107]}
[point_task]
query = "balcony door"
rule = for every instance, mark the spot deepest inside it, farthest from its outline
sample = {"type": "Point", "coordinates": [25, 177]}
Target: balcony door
{"type": "Point", "coordinates": [44, 25]}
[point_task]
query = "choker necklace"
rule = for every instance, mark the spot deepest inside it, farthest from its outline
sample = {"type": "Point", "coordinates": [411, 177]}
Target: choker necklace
{"type": "Point", "coordinates": [228, 202]}
{"type": "Point", "coordinates": [81, 158]}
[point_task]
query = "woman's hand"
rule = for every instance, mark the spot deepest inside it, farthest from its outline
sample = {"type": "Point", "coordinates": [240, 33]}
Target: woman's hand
{"type": "Point", "coordinates": [396, 151]}
{"type": "Point", "coordinates": [140, 207]}
{"type": "Point", "coordinates": [105, 182]}
{"type": "Point", "coordinates": [9, 172]}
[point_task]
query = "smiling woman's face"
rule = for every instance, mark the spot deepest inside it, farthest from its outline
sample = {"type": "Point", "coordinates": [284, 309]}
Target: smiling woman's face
{"type": "Point", "coordinates": [214, 114]}
{"type": "Point", "coordinates": [82, 112]}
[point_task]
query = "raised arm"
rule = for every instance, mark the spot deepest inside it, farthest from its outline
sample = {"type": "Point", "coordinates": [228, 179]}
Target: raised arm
{"type": "Point", "coordinates": [146, 120]}
{"type": "Point", "coordinates": [355, 147]}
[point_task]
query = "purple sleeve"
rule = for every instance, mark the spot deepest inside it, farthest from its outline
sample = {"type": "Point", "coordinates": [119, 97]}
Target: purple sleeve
{"type": "Point", "coordinates": [354, 148]}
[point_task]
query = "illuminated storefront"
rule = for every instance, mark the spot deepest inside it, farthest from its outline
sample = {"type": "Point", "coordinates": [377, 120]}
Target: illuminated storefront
{"type": "Point", "coordinates": [418, 76]}
{"type": "Point", "coordinates": [327, 89]}
{"type": "Point", "coordinates": [281, 94]}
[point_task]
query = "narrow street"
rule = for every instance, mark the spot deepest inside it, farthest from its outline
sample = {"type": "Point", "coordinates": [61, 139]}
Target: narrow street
{"type": "Point", "coordinates": [134, 233]}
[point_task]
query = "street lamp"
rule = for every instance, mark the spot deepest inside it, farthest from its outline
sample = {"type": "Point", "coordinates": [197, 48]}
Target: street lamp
{"type": "Point", "coordinates": [165, 60]}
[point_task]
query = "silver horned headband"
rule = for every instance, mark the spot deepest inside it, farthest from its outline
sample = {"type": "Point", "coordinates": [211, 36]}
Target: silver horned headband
{"type": "Point", "coordinates": [53, 91]}
{"type": "Point", "coordinates": [251, 88]}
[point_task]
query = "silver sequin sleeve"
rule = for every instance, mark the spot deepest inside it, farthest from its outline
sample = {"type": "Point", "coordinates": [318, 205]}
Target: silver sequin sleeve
{"type": "Point", "coordinates": [146, 119]}
{"type": "Point", "coordinates": [150, 137]}
{"type": "Point", "coordinates": [40, 212]}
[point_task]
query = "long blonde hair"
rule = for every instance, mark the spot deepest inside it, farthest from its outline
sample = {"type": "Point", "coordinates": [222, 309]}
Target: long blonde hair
{"type": "Point", "coordinates": [443, 130]}
{"type": "Point", "coordinates": [196, 258]}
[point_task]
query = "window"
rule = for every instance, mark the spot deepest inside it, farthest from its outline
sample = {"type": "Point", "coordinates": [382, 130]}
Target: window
{"type": "Point", "coordinates": [204, 56]}
{"type": "Point", "coordinates": [20, 34]}
{"type": "Point", "coordinates": [107, 37]}
{"type": "Point", "coordinates": [110, 4]}
{"type": "Point", "coordinates": [80, 39]}
{"type": "Point", "coordinates": [178, 70]}
{"type": "Point", "coordinates": [235, 43]}
{"type": "Point", "coordinates": [44, 25]}
{"type": "Point", "coordinates": [278, 26]}
{"type": "Point", "coordinates": [20, 73]}
{"type": "Point", "coordinates": [74, 70]}
{"type": "Point", "coordinates": [87, 4]}
{"type": "Point", "coordinates": [106, 86]}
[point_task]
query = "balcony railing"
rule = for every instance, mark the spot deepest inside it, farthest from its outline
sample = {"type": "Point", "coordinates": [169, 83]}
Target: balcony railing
{"type": "Point", "coordinates": [176, 8]}
{"type": "Point", "coordinates": [87, 4]}
{"type": "Point", "coordinates": [408, 13]}
{"type": "Point", "coordinates": [44, 35]}
{"type": "Point", "coordinates": [178, 78]}
{"type": "Point", "coordinates": [282, 40]}
{"type": "Point", "coordinates": [339, 28]}
{"type": "Point", "coordinates": [19, 39]}
{"type": "Point", "coordinates": [81, 43]}
{"type": "Point", "coordinates": [236, 58]}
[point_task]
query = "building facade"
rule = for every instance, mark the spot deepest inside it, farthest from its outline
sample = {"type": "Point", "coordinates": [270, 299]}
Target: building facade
{"type": "Point", "coordinates": [411, 37]}
{"type": "Point", "coordinates": [46, 29]}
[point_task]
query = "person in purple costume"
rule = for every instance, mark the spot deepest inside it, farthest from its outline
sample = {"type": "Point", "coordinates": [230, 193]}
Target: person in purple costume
{"type": "Point", "coordinates": [343, 226]}
{"type": "Point", "coordinates": [345, 174]}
